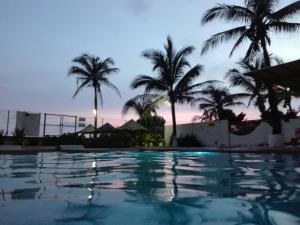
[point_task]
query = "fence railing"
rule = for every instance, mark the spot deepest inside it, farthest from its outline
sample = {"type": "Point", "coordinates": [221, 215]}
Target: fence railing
{"type": "Point", "coordinates": [53, 124]}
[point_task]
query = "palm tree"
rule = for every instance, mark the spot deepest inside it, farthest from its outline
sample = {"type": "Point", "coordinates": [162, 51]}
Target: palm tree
{"type": "Point", "coordinates": [253, 86]}
{"type": "Point", "coordinates": [216, 100]}
{"type": "Point", "coordinates": [259, 19]}
{"type": "Point", "coordinates": [92, 72]}
{"type": "Point", "coordinates": [142, 104]}
{"type": "Point", "coordinates": [173, 82]}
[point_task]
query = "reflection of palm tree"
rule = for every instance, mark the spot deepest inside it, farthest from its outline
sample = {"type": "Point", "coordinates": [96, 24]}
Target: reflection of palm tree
{"type": "Point", "coordinates": [217, 99]}
{"type": "Point", "coordinates": [92, 72]}
{"type": "Point", "coordinates": [173, 82]}
{"type": "Point", "coordinates": [259, 19]}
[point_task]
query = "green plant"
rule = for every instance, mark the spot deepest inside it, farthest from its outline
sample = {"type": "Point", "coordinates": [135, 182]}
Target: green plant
{"type": "Point", "coordinates": [19, 135]}
{"type": "Point", "coordinates": [70, 139]}
{"type": "Point", "coordinates": [189, 141]}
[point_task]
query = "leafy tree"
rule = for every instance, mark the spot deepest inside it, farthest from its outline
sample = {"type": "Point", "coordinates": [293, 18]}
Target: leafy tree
{"type": "Point", "coordinates": [153, 123]}
{"type": "Point", "coordinates": [92, 72]}
{"type": "Point", "coordinates": [259, 18]}
{"type": "Point", "coordinates": [172, 82]}
{"type": "Point", "coordinates": [216, 99]}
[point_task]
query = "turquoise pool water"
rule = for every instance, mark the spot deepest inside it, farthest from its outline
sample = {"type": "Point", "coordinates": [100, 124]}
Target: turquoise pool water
{"type": "Point", "coordinates": [150, 188]}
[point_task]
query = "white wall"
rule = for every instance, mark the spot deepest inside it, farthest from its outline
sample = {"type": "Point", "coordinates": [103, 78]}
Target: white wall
{"type": "Point", "coordinates": [217, 133]}
{"type": "Point", "coordinates": [210, 134]}
{"type": "Point", "coordinates": [288, 129]}
{"type": "Point", "coordinates": [258, 137]}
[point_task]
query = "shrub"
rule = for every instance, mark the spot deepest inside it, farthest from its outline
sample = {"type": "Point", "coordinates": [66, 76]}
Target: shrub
{"type": "Point", "coordinates": [189, 141]}
{"type": "Point", "coordinates": [19, 135]}
{"type": "Point", "coordinates": [50, 141]}
{"type": "Point", "coordinates": [70, 139]}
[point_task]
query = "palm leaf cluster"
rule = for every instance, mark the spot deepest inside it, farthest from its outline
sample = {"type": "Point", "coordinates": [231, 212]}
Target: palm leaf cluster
{"type": "Point", "coordinates": [217, 99]}
{"type": "Point", "coordinates": [143, 104]}
{"type": "Point", "coordinates": [174, 80]}
{"type": "Point", "coordinates": [258, 18]}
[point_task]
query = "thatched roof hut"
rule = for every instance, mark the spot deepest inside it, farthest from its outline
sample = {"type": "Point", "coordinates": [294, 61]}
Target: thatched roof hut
{"type": "Point", "coordinates": [131, 125]}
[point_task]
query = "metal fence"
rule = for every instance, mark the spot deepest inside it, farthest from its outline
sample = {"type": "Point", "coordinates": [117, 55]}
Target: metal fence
{"type": "Point", "coordinates": [54, 124]}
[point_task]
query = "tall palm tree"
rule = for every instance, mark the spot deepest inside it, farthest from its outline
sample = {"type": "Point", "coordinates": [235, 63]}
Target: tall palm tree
{"type": "Point", "coordinates": [172, 82]}
{"type": "Point", "coordinates": [259, 19]}
{"type": "Point", "coordinates": [253, 86]}
{"type": "Point", "coordinates": [92, 72]}
{"type": "Point", "coordinates": [142, 104]}
{"type": "Point", "coordinates": [216, 100]}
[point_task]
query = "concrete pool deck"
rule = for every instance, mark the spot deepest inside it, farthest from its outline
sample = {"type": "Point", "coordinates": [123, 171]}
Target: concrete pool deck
{"type": "Point", "coordinates": [17, 149]}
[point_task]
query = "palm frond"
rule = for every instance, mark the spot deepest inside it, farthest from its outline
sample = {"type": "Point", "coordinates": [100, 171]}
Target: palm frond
{"type": "Point", "coordinates": [286, 12]}
{"type": "Point", "coordinates": [186, 80]}
{"type": "Point", "coordinates": [150, 83]}
{"type": "Point", "coordinates": [228, 13]}
{"type": "Point", "coordinates": [76, 70]}
{"type": "Point", "coordinates": [81, 86]}
{"type": "Point", "coordinates": [284, 26]}
{"type": "Point", "coordinates": [221, 37]}
{"type": "Point", "coordinates": [85, 61]}
{"type": "Point", "coordinates": [112, 86]}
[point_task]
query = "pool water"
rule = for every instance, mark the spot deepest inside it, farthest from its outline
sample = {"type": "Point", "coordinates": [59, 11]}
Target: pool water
{"type": "Point", "coordinates": [150, 188]}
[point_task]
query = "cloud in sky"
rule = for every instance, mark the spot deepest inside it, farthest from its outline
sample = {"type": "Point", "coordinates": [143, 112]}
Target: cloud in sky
{"type": "Point", "coordinates": [140, 6]}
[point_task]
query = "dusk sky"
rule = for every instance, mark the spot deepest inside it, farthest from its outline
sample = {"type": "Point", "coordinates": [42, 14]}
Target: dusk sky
{"type": "Point", "coordinates": [39, 39]}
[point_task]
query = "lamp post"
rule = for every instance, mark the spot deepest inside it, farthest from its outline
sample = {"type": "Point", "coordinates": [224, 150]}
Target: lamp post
{"type": "Point", "coordinates": [95, 122]}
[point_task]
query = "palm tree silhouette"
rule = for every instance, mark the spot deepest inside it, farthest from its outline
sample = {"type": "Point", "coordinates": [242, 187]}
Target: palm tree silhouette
{"type": "Point", "coordinates": [253, 86]}
{"type": "Point", "coordinates": [216, 100]}
{"type": "Point", "coordinates": [259, 19]}
{"type": "Point", "coordinates": [172, 82]}
{"type": "Point", "coordinates": [142, 104]}
{"type": "Point", "coordinates": [92, 72]}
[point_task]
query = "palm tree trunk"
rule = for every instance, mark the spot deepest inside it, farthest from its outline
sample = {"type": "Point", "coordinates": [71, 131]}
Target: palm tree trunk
{"type": "Point", "coordinates": [95, 112]}
{"type": "Point", "coordinates": [174, 133]}
{"type": "Point", "coordinates": [276, 121]}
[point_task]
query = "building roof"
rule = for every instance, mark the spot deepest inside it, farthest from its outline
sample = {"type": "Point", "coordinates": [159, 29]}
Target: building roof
{"type": "Point", "coordinates": [106, 128]}
{"type": "Point", "coordinates": [286, 75]}
{"type": "Point", "coordinates": [88, 129]}
{"type": "Point", "coordinates": [131, 125]}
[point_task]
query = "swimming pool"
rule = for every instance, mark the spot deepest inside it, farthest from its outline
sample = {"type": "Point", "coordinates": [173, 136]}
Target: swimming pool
{"type": "Point", "coordinates": [151, 188]}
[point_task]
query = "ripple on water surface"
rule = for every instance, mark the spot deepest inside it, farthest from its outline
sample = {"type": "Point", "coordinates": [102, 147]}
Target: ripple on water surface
{"type": "Point", "coordinates": [150, 188]}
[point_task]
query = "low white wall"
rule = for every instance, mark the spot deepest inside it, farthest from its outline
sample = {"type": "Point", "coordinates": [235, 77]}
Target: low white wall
{"type": "Point", "coordinates": [258, 137]}
{"type": "Point", "coordinates": [217, 133]}
{"type": "Point", "coordinates": [210, 134]}
{"type": "Point", "coordinates": [288, 129]}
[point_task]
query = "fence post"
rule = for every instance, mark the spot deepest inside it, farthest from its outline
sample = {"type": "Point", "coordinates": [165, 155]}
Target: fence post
{"type": "Point", "coordinates": [75, 123]}
{"type": "Point", "coordinates": [7, 123]}
{"type": "Point", "coordinates": [44, 132]}
{"type": "Point", "coordinates": [61, 124]}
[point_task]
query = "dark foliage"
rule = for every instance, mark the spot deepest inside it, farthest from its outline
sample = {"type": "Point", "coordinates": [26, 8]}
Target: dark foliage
{"type": "Point", "coordinates": [19, 135]}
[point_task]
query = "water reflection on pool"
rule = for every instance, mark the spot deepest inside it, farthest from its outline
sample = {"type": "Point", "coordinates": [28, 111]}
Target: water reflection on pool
{"type": "Point", "coordinates": [115, 188]}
